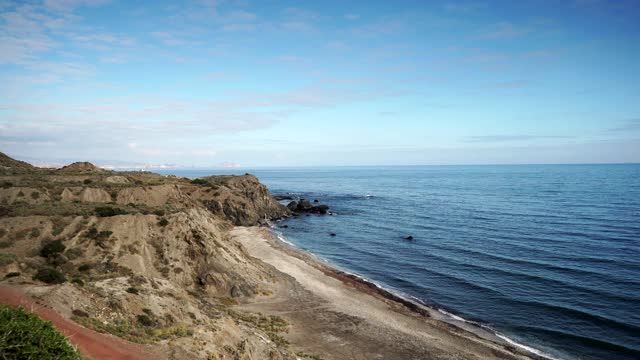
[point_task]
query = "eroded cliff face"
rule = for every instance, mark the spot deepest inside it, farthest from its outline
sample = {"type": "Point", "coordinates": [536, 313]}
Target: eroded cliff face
{"type": "Point", "coordinates": [242, 200]}
{"type": "Point", "coordinates": [143, 256]}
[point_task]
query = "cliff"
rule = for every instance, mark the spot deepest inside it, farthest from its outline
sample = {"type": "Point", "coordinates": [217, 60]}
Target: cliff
{"type": "Point", "coordinates": [143, 256]}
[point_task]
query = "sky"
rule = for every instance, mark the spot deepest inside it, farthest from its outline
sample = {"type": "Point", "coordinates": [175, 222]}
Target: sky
{"type": "Point", "coordinates": [224, 83]}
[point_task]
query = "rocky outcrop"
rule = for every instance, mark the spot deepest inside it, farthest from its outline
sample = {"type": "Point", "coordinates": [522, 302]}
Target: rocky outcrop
{"type": "Point", "coordinates": [243, 200]}
{"type": "Point", "coordinates": [305, 206]}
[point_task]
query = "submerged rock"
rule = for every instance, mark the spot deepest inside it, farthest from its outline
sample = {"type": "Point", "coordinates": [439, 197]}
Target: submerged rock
{"type": "Point", "coordinates": [408, 237]}
{"type": "Point", "coordinates": [305, 206]}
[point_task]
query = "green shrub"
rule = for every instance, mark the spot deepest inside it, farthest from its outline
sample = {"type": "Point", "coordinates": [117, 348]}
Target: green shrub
{"type": "Point", "coordinates": [94, 234]}
{"type": "Point", "coordinates": [87, 181]}
{"type": "Point", "coordinates": [158, 212]}
{"type": "Point", "coordinates": [35, 232]}
{"type": "Point", "coordinates": [6, 259]}
{"type": "Point", "coordinates": [199, 182]}
{"type": "Point", "coordinates": [35, 195]}
{"type": "Point", "coordinates": [84, 267]}
{"type": "Point", "coordinates": [50, 276]}
{"type": "Point", "coordinates": [106, 211]}
{"type": "Point", "coordinates": [133, 290]}
{"type": "Point", "coordinates": [163, 222]}
{"type": "Point", "coordinates": [25, 336]}
{"type": "Point", "coordinates": [52, 248]}
{"type": "Point", "coordinates": [4, 244]}
{"type": "Point", "coordinates": [7, 184]}
{"type": "Point", "coordinates": [77, 281]}
{"type": "Point", "coordinates": [145, 320]}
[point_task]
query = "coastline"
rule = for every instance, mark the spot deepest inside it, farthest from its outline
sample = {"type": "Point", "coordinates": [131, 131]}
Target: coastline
{"type": "Point", "coordinates": [429, 311]}
{"type": "Point", "coordinates": [403, 327]}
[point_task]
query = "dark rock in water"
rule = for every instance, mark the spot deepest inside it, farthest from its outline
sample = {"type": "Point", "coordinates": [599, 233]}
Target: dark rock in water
{"type": "Point", "coordinates": [293, 206]}
{"type": "Point", "coordinates": [333, 234]}
{"type": "Point", "coordinates": [320, 209]}
{"type": "Point", "coordinates": [408, 237]}
{"type": "Point", "coordinates": [316, 201]}
{"type": "Point", "coordinates": [284, 226]}
{"type": "Point", "coordinates": [304, 205]}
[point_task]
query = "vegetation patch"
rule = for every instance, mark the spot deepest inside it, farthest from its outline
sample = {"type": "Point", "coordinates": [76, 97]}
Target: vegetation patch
{"type": "Point", "coordinates": [52, 248]}
{"type": "Point", "coordinates": [272, 325]}
{"type": "Point", "coordinates": [106, 211]}
{"type": "Point", "coordinates": [35, 232]}
{"type": "Point", "coordinates": [200, 182]}
{"type": "Point", "coordinates": [159, 212]}
{"type": "Point", "coordinates": [134, 331]}
{"type": "Point", "coordinates": [24, 336]}
{"type": "Point", "coordinates": [6, 259]}
{"type": "Point", "coordinates": [163, 222]}
{"type": "Point", "coordinates": [50, 276]}
{"type": "Point", "coordinates": [84, 267]}
{"type": "Point", "coordinates": [133, 290]}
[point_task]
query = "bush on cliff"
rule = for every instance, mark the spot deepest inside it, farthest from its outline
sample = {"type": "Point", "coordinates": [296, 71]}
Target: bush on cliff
{"type": "Point", "coordinates": [106, 211]}
{"type": "Point", "coordinates": [24, 336]}
{"type": "Point", "coordinates": [50, 276]}
{"type": "Point", "coordinates": [52, 248]}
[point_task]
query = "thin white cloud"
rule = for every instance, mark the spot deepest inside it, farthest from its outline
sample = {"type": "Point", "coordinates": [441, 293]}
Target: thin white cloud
{"type": "Point", "coordinates": [68, 5]}
{"type": "Point", "coordinates": [505, 30]}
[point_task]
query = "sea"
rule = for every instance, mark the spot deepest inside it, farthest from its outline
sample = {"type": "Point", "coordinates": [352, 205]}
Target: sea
{"type": "Point", "coordinates": [545, 256]}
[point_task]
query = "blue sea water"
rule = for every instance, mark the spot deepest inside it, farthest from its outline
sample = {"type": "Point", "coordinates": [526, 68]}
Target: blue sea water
{"type": "Point", "coordinates": [548, 255]}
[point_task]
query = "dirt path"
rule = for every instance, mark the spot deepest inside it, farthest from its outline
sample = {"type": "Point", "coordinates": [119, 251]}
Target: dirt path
{"type": "Point", "coordinates": [95, 345]}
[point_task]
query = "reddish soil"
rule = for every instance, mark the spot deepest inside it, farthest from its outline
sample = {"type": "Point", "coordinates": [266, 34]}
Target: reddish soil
{"type": "Point", "coordinates": [95, 345]}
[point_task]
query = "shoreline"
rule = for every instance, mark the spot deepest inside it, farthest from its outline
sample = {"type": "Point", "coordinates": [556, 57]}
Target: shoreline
{"type": "Point", "coordinates": [432, 311]}
{"type": "Point", "coordinates": [394, 309]}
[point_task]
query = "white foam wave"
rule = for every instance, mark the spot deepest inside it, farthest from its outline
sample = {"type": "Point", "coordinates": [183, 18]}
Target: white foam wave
{"type": "Point", "coordinates": [525, 347]}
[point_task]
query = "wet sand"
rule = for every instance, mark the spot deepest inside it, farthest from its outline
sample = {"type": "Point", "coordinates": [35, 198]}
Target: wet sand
{"type": "Point", "coordinates": [339, 316]}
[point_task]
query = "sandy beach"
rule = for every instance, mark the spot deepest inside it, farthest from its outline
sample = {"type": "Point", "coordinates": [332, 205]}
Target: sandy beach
{"type": "Point", "coordinates": [337, 316]}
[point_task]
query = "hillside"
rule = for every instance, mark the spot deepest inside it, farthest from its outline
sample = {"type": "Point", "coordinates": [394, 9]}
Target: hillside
{"type": "Point", "coordinates": [8, 164]}
{"type": "Point", "coordinates": [142, 256]}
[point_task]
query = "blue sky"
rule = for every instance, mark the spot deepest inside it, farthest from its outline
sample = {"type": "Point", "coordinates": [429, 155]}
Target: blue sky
{"type": "Point", "coordinates": [263, 83]}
